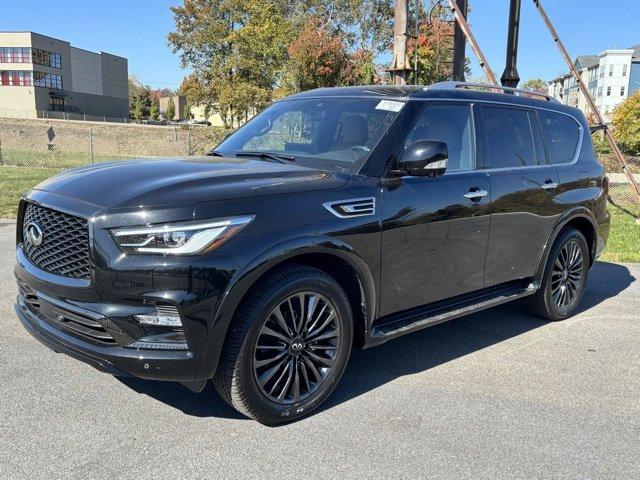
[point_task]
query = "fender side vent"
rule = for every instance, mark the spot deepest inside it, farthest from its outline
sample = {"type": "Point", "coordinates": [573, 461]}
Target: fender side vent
{"type": "Point", "coordinates": [356, 207]}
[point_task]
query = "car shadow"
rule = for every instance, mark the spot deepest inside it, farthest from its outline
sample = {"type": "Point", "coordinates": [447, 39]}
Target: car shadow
{"type": "Point", "coordinates": [417, 352]}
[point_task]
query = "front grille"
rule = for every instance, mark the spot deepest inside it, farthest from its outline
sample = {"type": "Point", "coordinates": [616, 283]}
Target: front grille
{"type": "Point", "coordinates": [64, 249]}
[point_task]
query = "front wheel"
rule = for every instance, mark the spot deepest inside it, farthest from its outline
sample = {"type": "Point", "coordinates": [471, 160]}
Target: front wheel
{"type": "Point", "coordinates": [288, 346]}
{"type": "Point", "coordinates": [564, 279]}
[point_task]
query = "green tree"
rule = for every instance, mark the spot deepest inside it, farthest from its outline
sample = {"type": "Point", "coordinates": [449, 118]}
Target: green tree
{"type": "Point", "coordinates": [370, 23]}
{"type": "Point", "coordinates": [154, 111]}
{"type": "Point", "coordinates": [171, 109]}
{"type": "Point", "coordinates": [138, 110]}
{"type": "Point", "coordinates": [626, 124]}
{"type": "Point", "coordinates": [139, 98]}
{"type": "Point", "coordinates": [535, 84]}
{"type": "Point", "coordinates": [196, 93]}
{"type": "Point", "coordinates": [233, 44]}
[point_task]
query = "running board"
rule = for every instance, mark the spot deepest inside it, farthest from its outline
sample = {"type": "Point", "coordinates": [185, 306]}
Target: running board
{"type": "Point", "coordinates": [424, 319]}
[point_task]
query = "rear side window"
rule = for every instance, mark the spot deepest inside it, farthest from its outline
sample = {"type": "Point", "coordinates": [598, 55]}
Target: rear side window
{"type": "Point", "coordinates": [512, 138]}
{"type": "Point", "coordinates": [562, 134]}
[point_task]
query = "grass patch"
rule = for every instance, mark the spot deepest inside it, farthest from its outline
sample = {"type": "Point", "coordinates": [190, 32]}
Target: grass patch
{"type": "Point", "coordinates": [14, 181]}
{"type": "Point", "coordinates": [624, 239]}
{"type": "Point", "coordinates": [623, 244]}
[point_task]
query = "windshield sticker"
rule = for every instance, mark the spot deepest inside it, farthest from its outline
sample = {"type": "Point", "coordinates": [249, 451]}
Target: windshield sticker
{"type": "Point", "coordinates": [390, 105]}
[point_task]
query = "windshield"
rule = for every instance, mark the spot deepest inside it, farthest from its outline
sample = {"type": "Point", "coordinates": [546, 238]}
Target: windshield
{"type": "Point", "coordinates": [335, 134]}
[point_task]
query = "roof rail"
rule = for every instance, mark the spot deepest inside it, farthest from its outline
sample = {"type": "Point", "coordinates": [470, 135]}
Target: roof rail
{"type": "Point", "coordinates": [451, 85]}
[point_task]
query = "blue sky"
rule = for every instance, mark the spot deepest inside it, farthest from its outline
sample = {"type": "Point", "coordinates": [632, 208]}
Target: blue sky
{"type": "Point", "coordinates": [137, 29]}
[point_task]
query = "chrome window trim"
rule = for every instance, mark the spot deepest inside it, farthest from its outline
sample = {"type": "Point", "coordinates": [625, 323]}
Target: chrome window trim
{"type": "Point", "coordinates": [576, 154]}
{"type": "Point", "coordinates": [408, 98]}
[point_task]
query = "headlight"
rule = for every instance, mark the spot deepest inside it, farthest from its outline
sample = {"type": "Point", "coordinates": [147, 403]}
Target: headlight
{"type": "Point", "coordinates": [179, 238]}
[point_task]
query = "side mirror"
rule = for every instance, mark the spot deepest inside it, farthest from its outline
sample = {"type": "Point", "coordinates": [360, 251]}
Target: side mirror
{"type": "Point", "coordinates": [424, 158]}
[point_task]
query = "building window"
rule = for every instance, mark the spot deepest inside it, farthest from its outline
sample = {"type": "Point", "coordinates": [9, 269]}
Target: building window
{"type": "Point", "coordinates": [56, 104]}
{"type": "Point", "coordinates": [602, 71]}
{"type": "Point", "coordinates": [624, 70]}
{"type": "Point", "coordinates": [30, 55]}
{"type": "Point", "coordinates": [606, 109]}
{"type": "Point", "coordinates": [622, 91]}
{"type": "Point", "coordinates": [609, 91]}
{"type": "Point", "coordinates": [599, 91]}
{"type": "Point", "coordinates": [48, 59]}
{"type": "Point", "coordinates": [15, 55]}
{"type": "Point", "coordinates": [15, 78]}
{"type": "Point", "coordinates": [47, 80]}
{"type": "Point", "coordinates": [611, 70]}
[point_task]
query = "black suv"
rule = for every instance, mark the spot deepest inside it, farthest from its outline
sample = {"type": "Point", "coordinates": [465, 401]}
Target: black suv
{"type": "Point", "coordinates": [335, 218]}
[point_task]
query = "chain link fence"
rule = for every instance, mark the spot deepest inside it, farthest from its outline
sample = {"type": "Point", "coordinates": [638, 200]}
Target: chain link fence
{"type": "Point", "coordinates": [621, 192]}
{"type": "Point", "coordinates": [57, 145]}
{"type": "Point", "coordinates": [27, 114]}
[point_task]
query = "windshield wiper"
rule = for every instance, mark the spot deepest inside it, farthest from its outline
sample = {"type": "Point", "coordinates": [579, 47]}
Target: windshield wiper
{"type": "Point", "coordinates": [267, 156]}
{"type": "Point", "coordinates": [214, 153]}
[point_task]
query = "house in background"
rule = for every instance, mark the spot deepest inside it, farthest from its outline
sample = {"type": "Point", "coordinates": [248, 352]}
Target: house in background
{"type": "Point", "coordinates": [198, 113]}
{"type": "Point", "coordinates": [179, 105]}
{"type": "Point", "coordinates": [611, 77]}
{"type": "Point", "coordinates": [40, 74]}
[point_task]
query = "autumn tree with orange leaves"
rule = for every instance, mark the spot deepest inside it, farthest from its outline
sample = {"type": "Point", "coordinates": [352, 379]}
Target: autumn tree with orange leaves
{"type": "Point", "coordinates": [317, 58]}
{"type": "Point", "coordinates": [434, 45]}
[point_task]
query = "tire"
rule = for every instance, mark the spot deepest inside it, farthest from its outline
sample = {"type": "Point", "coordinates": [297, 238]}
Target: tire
{"type": "Point", "coordinates": [551, 301]}
{"type": "Point", "coordinates": [245, 377]}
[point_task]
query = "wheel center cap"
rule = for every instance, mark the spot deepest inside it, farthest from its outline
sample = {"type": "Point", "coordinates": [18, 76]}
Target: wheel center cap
{"type": "Point", "coordinates": [296, 346]}
{"type": "Point", "coordinates": [565, 274]}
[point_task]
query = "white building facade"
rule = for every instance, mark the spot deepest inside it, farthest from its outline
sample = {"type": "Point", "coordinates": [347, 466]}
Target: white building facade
{"type": "Point", "coordinates": [611, 77]}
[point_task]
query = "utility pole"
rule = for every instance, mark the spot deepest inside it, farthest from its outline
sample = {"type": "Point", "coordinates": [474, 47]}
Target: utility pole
{"type": "Point", "coordinates": [459, 44]}
{"type": "Point", "coordinates": [466, 30]}
{"type": "Point", "coordinates": [400, 66]}
{"type": "Point", "coordinates": [510, 77]}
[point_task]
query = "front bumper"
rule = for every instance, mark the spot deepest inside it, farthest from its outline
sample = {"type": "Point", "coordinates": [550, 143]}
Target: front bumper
{"type": "Point", "coordinates": [96, 319]}
{"type": "Point", "coordinates": [116, 360]}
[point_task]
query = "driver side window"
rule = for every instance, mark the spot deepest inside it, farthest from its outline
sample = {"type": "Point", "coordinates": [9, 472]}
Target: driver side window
{"type": "Point", "coordinates": [451, 124]}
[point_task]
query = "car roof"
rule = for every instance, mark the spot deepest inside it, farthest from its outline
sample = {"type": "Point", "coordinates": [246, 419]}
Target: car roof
{"type": "Point", "coordinates": [443, 90]}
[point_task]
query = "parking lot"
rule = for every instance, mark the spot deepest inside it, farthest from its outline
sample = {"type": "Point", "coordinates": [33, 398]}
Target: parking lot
{"type": "Point", "coordinates": [500, 394]}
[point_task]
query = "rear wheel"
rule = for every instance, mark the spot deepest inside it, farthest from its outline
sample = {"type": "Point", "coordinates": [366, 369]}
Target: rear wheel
{"type": "Point", "coordinates": [564, 278]}
{"type": "Point", "coordinates": [288, 346]}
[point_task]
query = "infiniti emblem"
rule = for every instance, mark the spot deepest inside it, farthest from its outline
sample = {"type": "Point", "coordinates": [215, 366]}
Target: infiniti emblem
{"type": "Point", "coordinates": [297, 346]}
{"type": "Point", "coordinates": [33, 234]}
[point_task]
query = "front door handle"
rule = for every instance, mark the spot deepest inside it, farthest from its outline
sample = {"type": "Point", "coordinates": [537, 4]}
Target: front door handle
{"type": "Point", "coordinates": [549, 185]}
{"type": "Point", "coordinates": [476, 194]}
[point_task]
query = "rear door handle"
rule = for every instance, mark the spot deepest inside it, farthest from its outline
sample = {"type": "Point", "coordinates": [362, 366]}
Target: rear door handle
{"type": "Point", "coordinates": [476, 194]}
{"type": "Point", "coordinates": [549, 185]}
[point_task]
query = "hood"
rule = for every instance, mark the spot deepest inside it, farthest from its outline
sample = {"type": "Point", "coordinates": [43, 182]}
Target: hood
{"type": "Point", "coordinates": [185, 181]}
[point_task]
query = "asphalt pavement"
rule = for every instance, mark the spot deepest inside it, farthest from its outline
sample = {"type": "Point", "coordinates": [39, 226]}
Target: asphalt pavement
{"type": "Point", "coordinates": [499, 394]}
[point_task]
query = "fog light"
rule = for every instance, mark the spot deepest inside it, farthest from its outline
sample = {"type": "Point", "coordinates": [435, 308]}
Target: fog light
{"type": "Point", "coordinates": [163, 341]}
{"type": "Point", "coordinates": [166, 316]}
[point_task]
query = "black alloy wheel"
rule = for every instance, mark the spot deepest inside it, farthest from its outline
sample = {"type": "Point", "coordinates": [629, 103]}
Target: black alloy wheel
{"type": "Point", "coordinates": [288, 346]}
{"type": "Point", "coordinates": [566, 275]}
{"type": "Point", "coordinates": [296, 347]}
{"type": "Point", "coordinates": [564, 278]}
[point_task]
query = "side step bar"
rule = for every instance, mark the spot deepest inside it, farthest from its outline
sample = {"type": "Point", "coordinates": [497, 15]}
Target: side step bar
{"type": "Point", "coordinates": [424, 319]}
